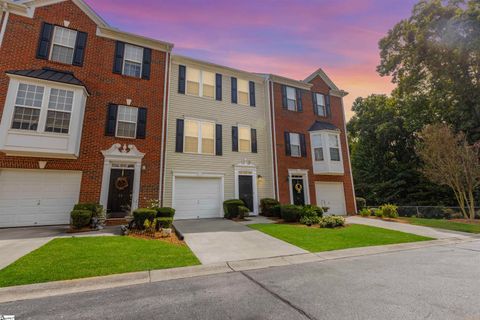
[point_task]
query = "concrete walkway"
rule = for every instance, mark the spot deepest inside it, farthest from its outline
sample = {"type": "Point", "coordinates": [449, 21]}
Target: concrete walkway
{"type": "Point", "coordinates": [220, 240]}
{"type": "Point", "coordinates": [409, 228]}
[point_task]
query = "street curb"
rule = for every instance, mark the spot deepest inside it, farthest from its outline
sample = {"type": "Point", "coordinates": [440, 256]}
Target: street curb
{"type": "Point", "coordinates": [49, 289]}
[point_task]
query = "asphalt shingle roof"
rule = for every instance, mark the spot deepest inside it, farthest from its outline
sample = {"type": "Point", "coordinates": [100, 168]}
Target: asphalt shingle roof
{"type": "Point", "coordinates": [50, 75]}
{"type": "Point", "coordinates": [321, 125]}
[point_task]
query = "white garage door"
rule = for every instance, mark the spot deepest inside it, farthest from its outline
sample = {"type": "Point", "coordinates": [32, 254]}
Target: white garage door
{"type": "Point", "coordinates": [197, 198]}
{"type": "Point", "coordinates": [37, 197]}
{"type": "Point", "coordinates": [331, 194]}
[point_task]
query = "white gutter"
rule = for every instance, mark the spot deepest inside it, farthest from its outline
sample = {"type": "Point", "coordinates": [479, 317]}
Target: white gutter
{"type": "Point", "coordinates": [348, 156]}
{"type": "Point", "coordinates": [272, 106]}
{"type": "Point", "coordinates": [4, 19]}
{"type": "Point", "coordinates": [163, 160]}
{"type": "Point", "coordinates": [270, 136]}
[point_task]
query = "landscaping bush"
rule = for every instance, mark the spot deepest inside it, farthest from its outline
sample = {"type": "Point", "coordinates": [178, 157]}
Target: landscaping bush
{"type": "Point", "coordinates": [309, 215]}
{"type": "Point", "coordinates": [365, 212]}
{"type": "Point", "coordinates": [95, 208]}
{"type": "Point", "coordinates": [378, 213]}
{"type": "Point", "coordinates": [142, 214]}
{"type": "Point", "coordinates": [230, 208]}
{"type": "Point", "coordinates": [164, 222]}
{"type": "Point", "coordinates": [267, 205]}
{"type": "Point", "coordinates": [332, 222]}
{"type": "Point", "coordinates": [243, 212]}
{"type": "Point", "coordinates": [431, 212]}
{"type": "Point", "coordinates": [165, 212]}
{"type": "Point", "coordinates": [317, 209]}
{"type": "Point", "coordinates": [277, 211]}
{"type": "Point", "coordinates": [407, 211]}
{"type": "Point", "coordinates": [389, 211]}
{"type": "Point", "coordinates": [361, 203]}
{"type": "Point", "coordinates": [290, 212]}
{"type": "Point", "coordinates": [80, 218]}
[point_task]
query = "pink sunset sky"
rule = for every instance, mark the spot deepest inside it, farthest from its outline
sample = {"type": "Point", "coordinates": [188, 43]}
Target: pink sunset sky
{"type": "Point", "coordinates": [285, 37]}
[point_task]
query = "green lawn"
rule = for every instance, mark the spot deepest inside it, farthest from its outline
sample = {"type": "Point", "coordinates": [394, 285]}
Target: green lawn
{"type": "Point", "coordinates": [445, 224]}
{"type": "Point", "coordinates": [316, 239]}
{"type": "Point", "coordinates": [71, 258]}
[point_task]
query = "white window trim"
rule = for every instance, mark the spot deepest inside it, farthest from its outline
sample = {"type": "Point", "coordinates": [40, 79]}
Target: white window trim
{"type": "Point", "coordinates": [247, 169]}
{"type": "Point", "coordinates": [319, 105]}
{"type": "Point", "coordinates": [304, 174]}
{"type": "Point", "coordinates": [299, 145]}
{"type": "Point", "coordinates": [337, 136]}
{"type": "Point", "coordinates": [326, 152]}
{"type": "Point", "coordinates": [200, 84]}
{"type": "Point", "coordinates": [64, 111]}
{"type": "Point", "coordinates": [55, 28]}
{"type": "Point", "coordinates": [116, 124]}
{"type": "Point", "coordinates": [250, 141]}
{"type": "Point", "coordinates": [248, 93]}
{"type": "Point", "coordinates": [125, 59]}
{"type": "Point", "coordinates": [199, 137]}
{"type": "Point", "coordinates": [296, 101]}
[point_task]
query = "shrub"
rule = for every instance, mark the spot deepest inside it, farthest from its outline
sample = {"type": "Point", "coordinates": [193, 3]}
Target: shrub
{"type": "Point", "coordinates": [95, 208]}
{"type": "Point", "coordinates": [332, 222]}
{"type": "Point", "coordinates": [309, 215]}
{"type": "Point", "coordinates": [80, 218]}
{"type": "Point", "coordinates": [361, 203]}
{"type": "Point", "coordinates": [290, 212]}
{"type": "Point", "coordinates": [165, 212]}
{"type": "Point", "coordinates": [365, 212]}
{"type": "Point", "coordinates": [230, 208]}
{"type": "Point", "coordinates": [378, 213]}
{"type": "Point", "coordinates": [243, 212]}
{"type": "Point", "coordinates": [389, 211]}
{"type": "Point", "coordinates": [277, 211]}
{"type": "Point", "coordinates": [165, 222]}
{"type": "Point", "coordinates": [407, 211]}
{"type": "Point", "coordinates": [267, 205]}
{"type": "Point", "coordinates": [431, 212]}
{"type": "Point", "coordinates": [142, 214]}
{"type": "Point", "coordinates": [318, 210]}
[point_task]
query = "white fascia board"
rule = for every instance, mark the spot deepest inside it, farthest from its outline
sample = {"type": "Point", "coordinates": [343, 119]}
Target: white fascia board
{"type": "Point", "coordinates": [131, 38]}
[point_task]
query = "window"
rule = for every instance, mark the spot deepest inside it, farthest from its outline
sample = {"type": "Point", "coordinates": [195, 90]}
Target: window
{"type": "Point", "coordinates": [59, 110]}
{"type": "Point", "coordinates": [199, 137]}
{"type": "Point", "coordinates": [317, 148]}
{"type": "Point", "coordinates": [200, 83]}
{"type": "Point", "coordinates": [295, 149]}
{"type": "Point", "coordinates": [127, 122]}
{"type": "Point", "coordinates": [291, 99]}
{"type": "Point", "coordinates": [243, 92]}
{"type": "Point", "coordinates": [321, 106]}
{"type": "Point", "coordinates": [132, 64]}
{"type": "Point", "coordinates": [63, 45]}
{"type": "Point", "coordinates": [28, 105]}
{"type": "Point", "coordinates": [244, 139]}
{"type": "Point", "coordinates": [334, 147]}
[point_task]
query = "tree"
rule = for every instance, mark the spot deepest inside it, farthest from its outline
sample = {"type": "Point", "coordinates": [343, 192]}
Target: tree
{"type": "Point", "coordinates": [449, 160]}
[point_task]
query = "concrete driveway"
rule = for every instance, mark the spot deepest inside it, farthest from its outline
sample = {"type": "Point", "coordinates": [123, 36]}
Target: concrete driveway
{"type": "Point", "coordinates": [220, 240]}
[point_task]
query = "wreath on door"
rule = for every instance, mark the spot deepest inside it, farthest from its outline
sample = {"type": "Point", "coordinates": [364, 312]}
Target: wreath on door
{"type": "Point", "coordinates": [121, 183]}
{"type": "Point", "coordinates": [298, 187]}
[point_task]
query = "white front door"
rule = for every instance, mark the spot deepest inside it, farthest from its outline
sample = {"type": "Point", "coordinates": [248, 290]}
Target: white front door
{"type": "Point", "coordinates": [195, 198]}
{"type": "Point", "coordinates": [332, 195]}
{"type": "Point", "coordinates": [37, 197]}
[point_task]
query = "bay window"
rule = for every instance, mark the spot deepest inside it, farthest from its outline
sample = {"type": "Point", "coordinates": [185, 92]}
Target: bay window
{"type": "Point", "coordinates": [326, 152]}
{"type": "Point", "coordinates": [334, 147]}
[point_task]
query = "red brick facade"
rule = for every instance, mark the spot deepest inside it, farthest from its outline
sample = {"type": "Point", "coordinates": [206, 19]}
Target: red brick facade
{"type": "Point", "coordinates": [18, 52]}
{"type": "Point", "coordinates": [300, 122]}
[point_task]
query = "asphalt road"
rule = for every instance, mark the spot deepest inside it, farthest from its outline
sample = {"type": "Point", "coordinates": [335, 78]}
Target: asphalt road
{"type": "Point", "coordinates": [430, 283]}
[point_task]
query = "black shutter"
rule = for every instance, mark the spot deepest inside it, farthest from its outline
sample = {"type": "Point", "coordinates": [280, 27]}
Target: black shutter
{"type": "Point", "coordinates": [327, 103]}
{"type": "Point", "coordinates": [147, 61]}
{"type": "Point", "coordinates": [235, 139]}
{"type": "Point", "coordinates": [111, 122]}
{"type": "Point", "coordinates": [179, 140]}
{"type": "Point", "coordinates": [314, 99]}
{"type": "Point", "coordinates": [45, 41]}
{"type": "Point", "coordinates": [218, 140]}
{"type": "Point", "coordinates": [299, 100]}
{"type": "Point", "coordinates": [79, 52]}
{"type": "Point", "coordinates": [284, 97]}
{"type": "Point", "coordinates": [288, 151]}
{"type": "Point", "coordinates": [234, 90]}
{"type": "Point", "coordinates": [303, 145]}
{"type": "Point", "coordinates": [251, 85]}
{"type": "Point", "coordinates": [182, 76]}
{"type": "Point", "coordinates": [141, 123]}
{"type": "Point", "coordinates": [254, 140]}
{"type": "Point", "coordinates": [118, 59]}
{"type": "Point", "coordinates": [218, 87]}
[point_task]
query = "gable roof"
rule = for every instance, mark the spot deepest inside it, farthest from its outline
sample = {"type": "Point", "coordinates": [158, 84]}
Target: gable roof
{"type": "Point", "coordinates": [333, 87]}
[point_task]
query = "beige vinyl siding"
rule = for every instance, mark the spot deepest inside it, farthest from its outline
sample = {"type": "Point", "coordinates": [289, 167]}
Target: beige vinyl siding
{"type": "Point", "coordinates": [227, 114]}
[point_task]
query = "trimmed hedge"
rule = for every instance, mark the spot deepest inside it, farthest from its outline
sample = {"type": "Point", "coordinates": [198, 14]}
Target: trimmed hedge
{"type": "Point", "coordinates": [267, 207]}
{"type": "Point", "coordinates": [243, 212]}
{"type": "Point", "coordinates": [165, 222]}
{"type": "Point", "coordinates": [290, 212]}
{"type": "Point", "coordinates": [230, 208]}
{"type": "Point", "coordinates": [80, 218]}
{"type": "Point", "coordinates": [142, 214]}
{"type": "Point", "coordinates": [317, 209]}
{"type": "Point", "coordinates": [361, 203]}
{"type": "Point", "coordinates": [94, 208]}
{"type": "Point", "coordinates": [332, 222]}
{"type": "Point", "coordinates": [277, 211]}
{"type": "Point", "coordinates": [165, 212]}
{"type": "Point", "coordinates": [309, 215]}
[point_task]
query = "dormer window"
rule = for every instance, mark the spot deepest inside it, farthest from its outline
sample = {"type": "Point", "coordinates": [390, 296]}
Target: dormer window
{"type": "Point", "coordinates": [63, 45]}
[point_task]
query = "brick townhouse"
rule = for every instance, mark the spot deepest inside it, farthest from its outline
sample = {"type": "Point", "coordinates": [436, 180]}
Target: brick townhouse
{"type": "Point", "coordinates": [81, 109]}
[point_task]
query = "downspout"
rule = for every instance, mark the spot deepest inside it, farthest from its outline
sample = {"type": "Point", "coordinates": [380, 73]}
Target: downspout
{"type": "Point", "coordinates": [274, 134]}
{"type": "Point", "coordinates": [166, 95]}
{"type": "Point", "coordinates": [4, 21]}
{"type": "Point", "coordinates": [269, 115]}
{"type": "Point", "coordinates": [348, 155]}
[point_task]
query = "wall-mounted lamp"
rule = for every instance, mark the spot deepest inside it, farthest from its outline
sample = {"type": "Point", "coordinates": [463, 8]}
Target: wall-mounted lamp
{"type": "Point", "coordinates": [260, 177]}
{"type": "Point", "coordinates": [144, 167]}
{"type": "Point", "coordinates": [42, 164]}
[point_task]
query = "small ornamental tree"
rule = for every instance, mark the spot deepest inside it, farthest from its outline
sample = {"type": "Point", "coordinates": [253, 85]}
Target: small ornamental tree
{"type": "Point", "coordinates": [449, 160]}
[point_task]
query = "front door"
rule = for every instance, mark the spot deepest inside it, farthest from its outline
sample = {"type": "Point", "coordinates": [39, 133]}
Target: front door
{"type": "Point", "coordinates": [298, 191]}
{"type": "Point", "coordinates": [120, 193]}
{"type": "Point", "coordinates": [245, 190]}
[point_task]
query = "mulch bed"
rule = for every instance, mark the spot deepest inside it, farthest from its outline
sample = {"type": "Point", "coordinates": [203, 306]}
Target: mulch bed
{"type": "Point", "coordinates": [173, 239]}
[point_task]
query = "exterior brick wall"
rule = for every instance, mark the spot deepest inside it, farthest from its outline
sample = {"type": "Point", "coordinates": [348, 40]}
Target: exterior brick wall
{"type": "Point", "coordinates": [300, 122]}
{"type": "Point", "coordinates": [18, 52]}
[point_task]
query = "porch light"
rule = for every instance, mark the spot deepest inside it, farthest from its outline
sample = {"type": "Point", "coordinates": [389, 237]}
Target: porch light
{"type": "Point", "coordinates": [260, 177]}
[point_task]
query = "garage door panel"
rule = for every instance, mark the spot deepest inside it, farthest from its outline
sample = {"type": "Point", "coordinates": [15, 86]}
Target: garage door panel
{"type": "Point", "coordinates": [197, 197]}
{"type": "Point", "coordinates": [332, 195]}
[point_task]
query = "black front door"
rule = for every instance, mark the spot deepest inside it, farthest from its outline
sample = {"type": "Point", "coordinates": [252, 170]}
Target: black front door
{"type": "Point", "coordinates": [120, 193]}
{"type": "Point", "coordinates": [298, 191]}
{"type": "Point", "coordinates": [245, 191]}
